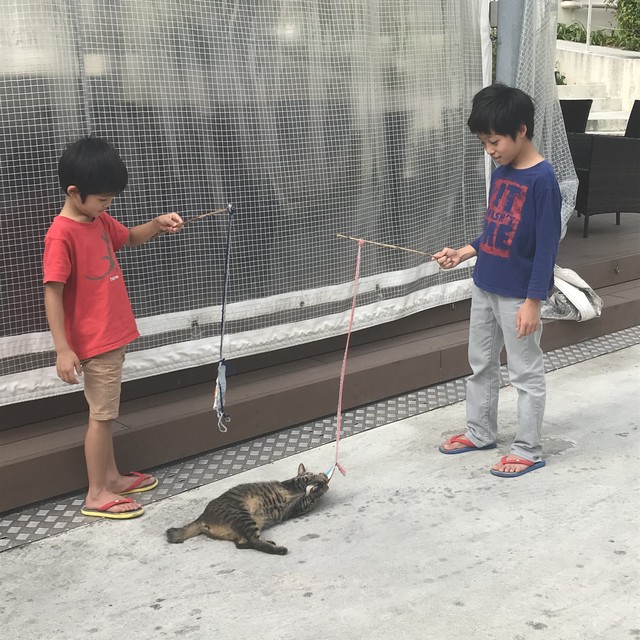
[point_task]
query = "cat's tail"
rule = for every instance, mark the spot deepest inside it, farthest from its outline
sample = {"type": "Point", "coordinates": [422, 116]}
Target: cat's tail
{"type": "Point", "coordinates": [180, 534]}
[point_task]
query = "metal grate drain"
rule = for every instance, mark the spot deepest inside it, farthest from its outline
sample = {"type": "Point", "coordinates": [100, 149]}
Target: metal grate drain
{"type": "Point", "coordinates": [62, 514]}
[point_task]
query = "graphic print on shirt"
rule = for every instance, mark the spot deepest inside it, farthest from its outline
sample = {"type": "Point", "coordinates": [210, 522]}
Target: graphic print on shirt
{"type": "Point", "coordinates": [503, 217]}
{"type": "Point", "coordinates": [110, 258]}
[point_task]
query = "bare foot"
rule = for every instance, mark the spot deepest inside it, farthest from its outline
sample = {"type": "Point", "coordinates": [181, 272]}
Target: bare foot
{"type": "Point", "coordinates": [97, 499]}
{"type": "Point", "coordinates": [507, 465]}
{"type": "Point", "coordinates": [461, 444]}
{"type": "Point", "coordinates": [450, 446]}
{"type": "Point", "coordinates": [132, 483]}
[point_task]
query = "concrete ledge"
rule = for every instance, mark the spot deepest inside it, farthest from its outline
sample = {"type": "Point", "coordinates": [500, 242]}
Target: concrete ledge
{"type": "Point", "coordinates": [617, 68]}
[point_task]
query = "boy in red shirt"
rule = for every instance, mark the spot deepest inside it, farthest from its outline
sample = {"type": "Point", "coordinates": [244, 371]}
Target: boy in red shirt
{"type": "Point", "coordinates": [89, 312]}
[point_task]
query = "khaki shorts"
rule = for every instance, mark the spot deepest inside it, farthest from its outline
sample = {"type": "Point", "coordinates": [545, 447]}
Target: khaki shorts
{"type": "Point", "coordinates": [102, 384]}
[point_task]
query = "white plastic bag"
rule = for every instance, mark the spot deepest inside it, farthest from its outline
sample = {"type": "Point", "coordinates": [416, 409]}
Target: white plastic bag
{"type": "Point", "coordinates": [571, 298]}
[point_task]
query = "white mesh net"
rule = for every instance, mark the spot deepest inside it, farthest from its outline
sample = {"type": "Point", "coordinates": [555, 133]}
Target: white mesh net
{"type": "Point", "coordinates": [311, 117]}
{"type": "Point", "coordinates": [534, 75]}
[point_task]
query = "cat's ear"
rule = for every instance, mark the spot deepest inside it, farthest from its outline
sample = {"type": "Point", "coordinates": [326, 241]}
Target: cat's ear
{"type": "Point", "coordinates": [301, 469]}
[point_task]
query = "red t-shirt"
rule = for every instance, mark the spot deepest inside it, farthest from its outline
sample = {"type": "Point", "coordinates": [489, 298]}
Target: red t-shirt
{"type": "Point", "coordinates": [97, 312]}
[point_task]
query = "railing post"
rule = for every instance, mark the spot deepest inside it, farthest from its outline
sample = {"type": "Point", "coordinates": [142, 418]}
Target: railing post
{"type": "Point", "coordinates": [589, 24]}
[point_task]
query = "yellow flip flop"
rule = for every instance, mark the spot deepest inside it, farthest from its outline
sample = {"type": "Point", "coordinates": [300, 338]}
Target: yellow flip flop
{"type": "Point", "coordinates": [103, 511]}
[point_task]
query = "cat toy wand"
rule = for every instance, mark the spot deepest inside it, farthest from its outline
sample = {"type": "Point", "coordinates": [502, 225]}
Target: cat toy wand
{"type": "Point", "coordinates": [386, 246]}
{"type": "Point", "coordinates": [336, 465]}
{"type": "Point", "coordinates": [217, 212]}
{"type": "Point", "coordinates": [221, 378]}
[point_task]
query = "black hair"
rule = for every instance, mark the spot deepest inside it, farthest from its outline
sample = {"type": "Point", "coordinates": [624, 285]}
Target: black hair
{"type": "Point", "coordinates": [501, 110]}
{"type": "Point", "coordinates": [94, 166]}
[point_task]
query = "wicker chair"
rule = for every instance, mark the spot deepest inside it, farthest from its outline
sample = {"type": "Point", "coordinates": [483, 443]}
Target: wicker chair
{"type": "Point", "coordinates": [633, 124]}
{"type": "Point", "coordinates": [575, 114]}
{"type": "Point", "coordinates": [608, 169]}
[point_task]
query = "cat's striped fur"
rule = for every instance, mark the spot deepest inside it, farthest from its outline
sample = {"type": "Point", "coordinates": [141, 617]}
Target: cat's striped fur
{"type": "Point", "coordinates": [241, 513]}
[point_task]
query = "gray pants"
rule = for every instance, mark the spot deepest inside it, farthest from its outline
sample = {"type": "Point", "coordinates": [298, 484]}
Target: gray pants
{"type": "Point", "coordinates": [492, 326]}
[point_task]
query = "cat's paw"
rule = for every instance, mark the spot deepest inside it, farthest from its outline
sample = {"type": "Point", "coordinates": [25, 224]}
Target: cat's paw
{"type": "Point", "coordinates": [281, 551]}
{"type": "Point", "coordinates": [318, 488]}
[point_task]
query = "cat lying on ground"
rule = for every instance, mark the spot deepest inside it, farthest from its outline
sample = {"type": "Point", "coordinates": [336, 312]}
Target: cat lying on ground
{"type": "Point", "coordinates": [241, 513]}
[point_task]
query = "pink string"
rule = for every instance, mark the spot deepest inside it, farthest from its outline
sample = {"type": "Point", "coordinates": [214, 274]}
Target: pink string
{"type": "Point", "coordinates": [344, 360]}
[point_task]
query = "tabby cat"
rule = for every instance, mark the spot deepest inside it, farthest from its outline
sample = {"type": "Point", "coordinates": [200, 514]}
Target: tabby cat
{"type": "Point", "coordinates": [241, 513]}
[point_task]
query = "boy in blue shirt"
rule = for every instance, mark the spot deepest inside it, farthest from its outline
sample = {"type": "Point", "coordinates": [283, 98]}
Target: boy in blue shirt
{"type": "Point", "coordinates": [513, 274]}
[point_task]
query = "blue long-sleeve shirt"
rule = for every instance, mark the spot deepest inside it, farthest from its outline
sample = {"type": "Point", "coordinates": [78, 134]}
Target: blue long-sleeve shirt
{"type": "Point", "coordinates": [519, 243]}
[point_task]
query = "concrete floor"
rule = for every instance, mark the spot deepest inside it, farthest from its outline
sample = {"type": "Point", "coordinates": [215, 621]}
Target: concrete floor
{"type": "Point", "coordinates": [411, 544]}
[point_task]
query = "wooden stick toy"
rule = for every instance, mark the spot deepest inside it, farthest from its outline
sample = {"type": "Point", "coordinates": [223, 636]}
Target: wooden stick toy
{"type": "Point", "coordinates": [218, 212]}
{"type": "Point", "coordinates": [386, 246]}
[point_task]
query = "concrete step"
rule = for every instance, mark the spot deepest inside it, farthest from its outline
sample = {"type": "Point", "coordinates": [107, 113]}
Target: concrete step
{"type": "Point", "coordinates": [607, 121]}
{"type": "Point", "coordinates": [606, 114]}
{"type": "Point", "coordinates": [606, 104]}
{"type": "Point", "coordinates": [602, 104]}
{"type": "Point", "coordinates": [582, 91]}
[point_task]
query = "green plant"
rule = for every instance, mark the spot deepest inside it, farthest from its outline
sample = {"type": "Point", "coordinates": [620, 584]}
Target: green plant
{"type": "Point", "coordinates": [572, 32]}
{"type": "Point", "coordinates": [560, 78]}
{"type": "Point", "coordinates": [627, 35]}
{"type": "Point", "coordinates": [604, 38]}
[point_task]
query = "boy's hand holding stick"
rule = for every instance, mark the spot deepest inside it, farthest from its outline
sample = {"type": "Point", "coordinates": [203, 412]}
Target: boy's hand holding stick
{"type": "Point", "coordinates": [172, 222]}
